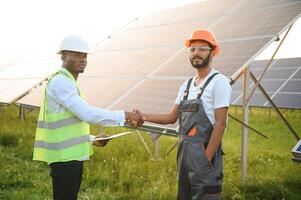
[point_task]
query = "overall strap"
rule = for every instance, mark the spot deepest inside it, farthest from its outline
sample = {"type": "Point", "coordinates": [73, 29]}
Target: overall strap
{"type": "Point", "coordinates": [186, 93]}
{"type": "Point", "coordinates": [206, 83]}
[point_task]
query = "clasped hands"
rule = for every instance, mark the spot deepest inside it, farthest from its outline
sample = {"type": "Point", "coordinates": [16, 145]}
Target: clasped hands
{"type": "Point", "coordinates": [135, 119]}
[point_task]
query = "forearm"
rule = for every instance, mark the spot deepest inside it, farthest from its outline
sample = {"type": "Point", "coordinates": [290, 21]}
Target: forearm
{"type": "Point", "coordinates": [65, 93]}
{"type": "Point", "coordinates": [160, 118]}
{"type": "Point", "coordinates": [92, 115]}
{"type": "Point", "coordinates": [102, 117]}
{"type": "Point", "coordinates": [215, 140]}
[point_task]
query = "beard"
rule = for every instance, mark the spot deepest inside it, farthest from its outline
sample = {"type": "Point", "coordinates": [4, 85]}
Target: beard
{"type": "Point", "coordinates": [201, 65]}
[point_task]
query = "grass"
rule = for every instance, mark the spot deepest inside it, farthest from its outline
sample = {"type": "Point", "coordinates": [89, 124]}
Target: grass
{"type": "Point", "coordinates": [124, 170]}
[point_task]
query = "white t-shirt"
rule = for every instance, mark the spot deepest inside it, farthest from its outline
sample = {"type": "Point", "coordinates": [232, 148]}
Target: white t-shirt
{"type": "Point", "coordinates": [216, 95]}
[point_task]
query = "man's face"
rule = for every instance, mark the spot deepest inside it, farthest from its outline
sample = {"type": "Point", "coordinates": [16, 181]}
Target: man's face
{"type": "Point", "coordinates": [200, 54]}
{"type": "Point", "coordinates": [75, 62]}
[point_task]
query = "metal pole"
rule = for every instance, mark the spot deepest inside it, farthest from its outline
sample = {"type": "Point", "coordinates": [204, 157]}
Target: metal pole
{"type": "Point", "coordinates": [143, 142]}
{"type": "Point", "coordinates": [276, 109]}
{"type": "Point", "coordinates": [21, 113]}
{"type": "Point", "coordinates": [247, 126]}
{"type": "Point", "coordinates": [172, 148]}
{"type": "Point", "coordinates": [245, 107]}
{"type": "Point", "coordinates": [155, 138]}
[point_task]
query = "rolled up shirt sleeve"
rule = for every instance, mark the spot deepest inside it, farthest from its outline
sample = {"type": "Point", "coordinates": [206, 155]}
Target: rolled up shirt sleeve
{"type": "Point", "coordinates": [65, 93]}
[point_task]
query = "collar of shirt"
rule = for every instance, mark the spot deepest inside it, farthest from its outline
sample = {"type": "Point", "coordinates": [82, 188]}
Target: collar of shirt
{"type": "Point", "coordinates": [204, 80]}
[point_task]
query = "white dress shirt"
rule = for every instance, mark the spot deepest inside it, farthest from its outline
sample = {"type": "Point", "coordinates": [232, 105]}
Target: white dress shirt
{"type": "Point", "coordinates": [62, 95]}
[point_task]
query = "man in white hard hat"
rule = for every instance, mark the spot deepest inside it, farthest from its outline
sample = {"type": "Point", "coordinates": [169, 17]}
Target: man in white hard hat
{"type": "Point", "coordinates": [63, 137]}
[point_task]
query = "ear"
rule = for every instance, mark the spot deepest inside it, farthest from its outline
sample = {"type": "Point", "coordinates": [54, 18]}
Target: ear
{"type": "Point", "coordinates": [63, 57]}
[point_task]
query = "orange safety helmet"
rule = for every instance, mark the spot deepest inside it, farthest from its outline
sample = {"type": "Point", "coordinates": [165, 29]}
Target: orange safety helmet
{"type": "Point", "coordinates": [205, 35]}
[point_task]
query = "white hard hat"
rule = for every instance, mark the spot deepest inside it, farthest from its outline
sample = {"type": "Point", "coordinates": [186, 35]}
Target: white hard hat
{"type": "Point", "coordinates": [74, 43]}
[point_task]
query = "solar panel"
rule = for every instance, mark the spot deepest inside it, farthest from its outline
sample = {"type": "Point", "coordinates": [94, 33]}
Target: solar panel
{"type": "Point", "coordinates": [204, 10]}
{"type": "Point", "coordinates": [16, 88]}
{"type": "Point", "coordinates": [150, 58]}
{"type": "Point", "coordinates": [154, 95]}
{"type": "Point", "coordinates": [18, 78]}
{"type": "Point", "coordinates": [284, 63]}
{"type": "Point", "coordinates": [262, 3]}
{"type": "Point", "coordinates": [268, 84]}
{"type": "Point", "coordinates": [100, 95]}
{"type": "Point", "coordinates": [288, 100]}
{"type": "Point", "coordinates": [297, 75]}
{"type": "Point", "coordinates": [227, 62]}
{"type": "Point", "coordinates": [280, 74]}
{"type": "Point", "coordinates": [281, 81]}
{"type": "Point", "coordinates": [292, 86]}
{"type": "Point", "coordinates": [34, 99]}
{"type": "Point", "coordinates": [101, 92]}
{"type": "Point", "coordinates": [157, 36]}
{"type": "Point", "coordinates": [136, 62]}
{"type": "Point", "coordinates": [241, 23]}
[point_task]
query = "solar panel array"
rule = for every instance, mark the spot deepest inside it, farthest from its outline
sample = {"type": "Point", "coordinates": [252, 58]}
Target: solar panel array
{"type": "Point", "coordinates": [241, 37]}
{"type": "Point", "coordinates": [144, 65]}
{"type": "Point", "coordinates": [282, 82]}
{"type": "Point", "coordinates": [17, 79]}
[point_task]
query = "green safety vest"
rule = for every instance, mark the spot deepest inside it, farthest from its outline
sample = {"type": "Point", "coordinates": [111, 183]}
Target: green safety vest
{"type": "Point", "coordinates": [61, 137]}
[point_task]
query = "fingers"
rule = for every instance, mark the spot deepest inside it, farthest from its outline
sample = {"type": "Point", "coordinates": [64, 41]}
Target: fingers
{"type": "Point", "coordinates": [140, 113]}
{"type": "Point", "coordinates": [100, 143]}
{"type": "Point", "coordinates": [135, 119]}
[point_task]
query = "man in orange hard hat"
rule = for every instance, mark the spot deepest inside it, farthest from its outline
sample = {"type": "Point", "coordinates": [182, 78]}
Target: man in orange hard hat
{"type": "Point", "coordinates": [201, 107]}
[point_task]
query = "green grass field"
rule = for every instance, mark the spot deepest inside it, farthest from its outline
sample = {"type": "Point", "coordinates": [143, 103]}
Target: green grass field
{"type": "Point", "coordinates": [124, 170]}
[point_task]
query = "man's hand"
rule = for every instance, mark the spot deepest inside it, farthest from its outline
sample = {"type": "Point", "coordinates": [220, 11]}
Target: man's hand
{"type": "Point", "coordinates": [100, 143]}
{"type": "Point", "coordinates": [134, 119]}
{"type": "Point", "coordinates": [143, 115]}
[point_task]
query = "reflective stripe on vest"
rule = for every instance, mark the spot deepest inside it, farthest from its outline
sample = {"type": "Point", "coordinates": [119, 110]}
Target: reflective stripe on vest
{"type": "Point", "coordinates": [62, 145]}
{"type": "Point", "coordinates": [61, 137]}
{"type": "Point", "coordinates": [58, 124]}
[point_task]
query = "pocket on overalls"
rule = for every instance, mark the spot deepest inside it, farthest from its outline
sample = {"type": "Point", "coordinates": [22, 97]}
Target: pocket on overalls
{"type": "Point", "coordinates": [192, 107]}
{"type": "Point", "coordinates": [208, 161]}
{"type": "Point", "coordinates": [188, 121]}
{"type": "Point", "coordinates": [212, 180]}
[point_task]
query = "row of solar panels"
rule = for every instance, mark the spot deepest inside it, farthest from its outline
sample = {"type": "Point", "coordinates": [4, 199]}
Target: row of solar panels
{"type": "Point", "coordinates": [144, 65]}
{"type": "Point", "coordinates": [282, 82]}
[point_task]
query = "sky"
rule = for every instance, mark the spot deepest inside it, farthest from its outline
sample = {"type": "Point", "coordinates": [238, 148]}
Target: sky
{"type": "Point", "coordinates": [32, 29]}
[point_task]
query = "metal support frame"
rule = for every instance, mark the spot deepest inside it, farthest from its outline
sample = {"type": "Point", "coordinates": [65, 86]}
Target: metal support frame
{"type": "Point", "coordinates": [22, 113]}
{"type": "Point", "coordinates": [249, 127]}
{"type": "Point", "coordinates": [143, 142]}
{"type": "Point", "coordinates": [234, 118]}
{"type": "Point", "coordinates": [246, 98]}
{"type": "Point", "coordinates": [268, 65]}
{"type": "Point", "coordinates": [156, 139]}
{"type": "Point", "coordinates": [172, 148]}
{"type": "Point", "coordinates": [245, 107]}
{"type": "Point", "coordinates": [265, 94]}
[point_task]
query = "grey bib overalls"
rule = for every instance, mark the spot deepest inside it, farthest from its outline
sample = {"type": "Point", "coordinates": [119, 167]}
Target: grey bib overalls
{"type": "Point", "coordinates": [198, 178]}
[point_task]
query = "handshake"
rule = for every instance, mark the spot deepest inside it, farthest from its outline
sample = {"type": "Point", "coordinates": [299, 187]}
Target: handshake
{"type": "Point", "coordinates": [135, 118]}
